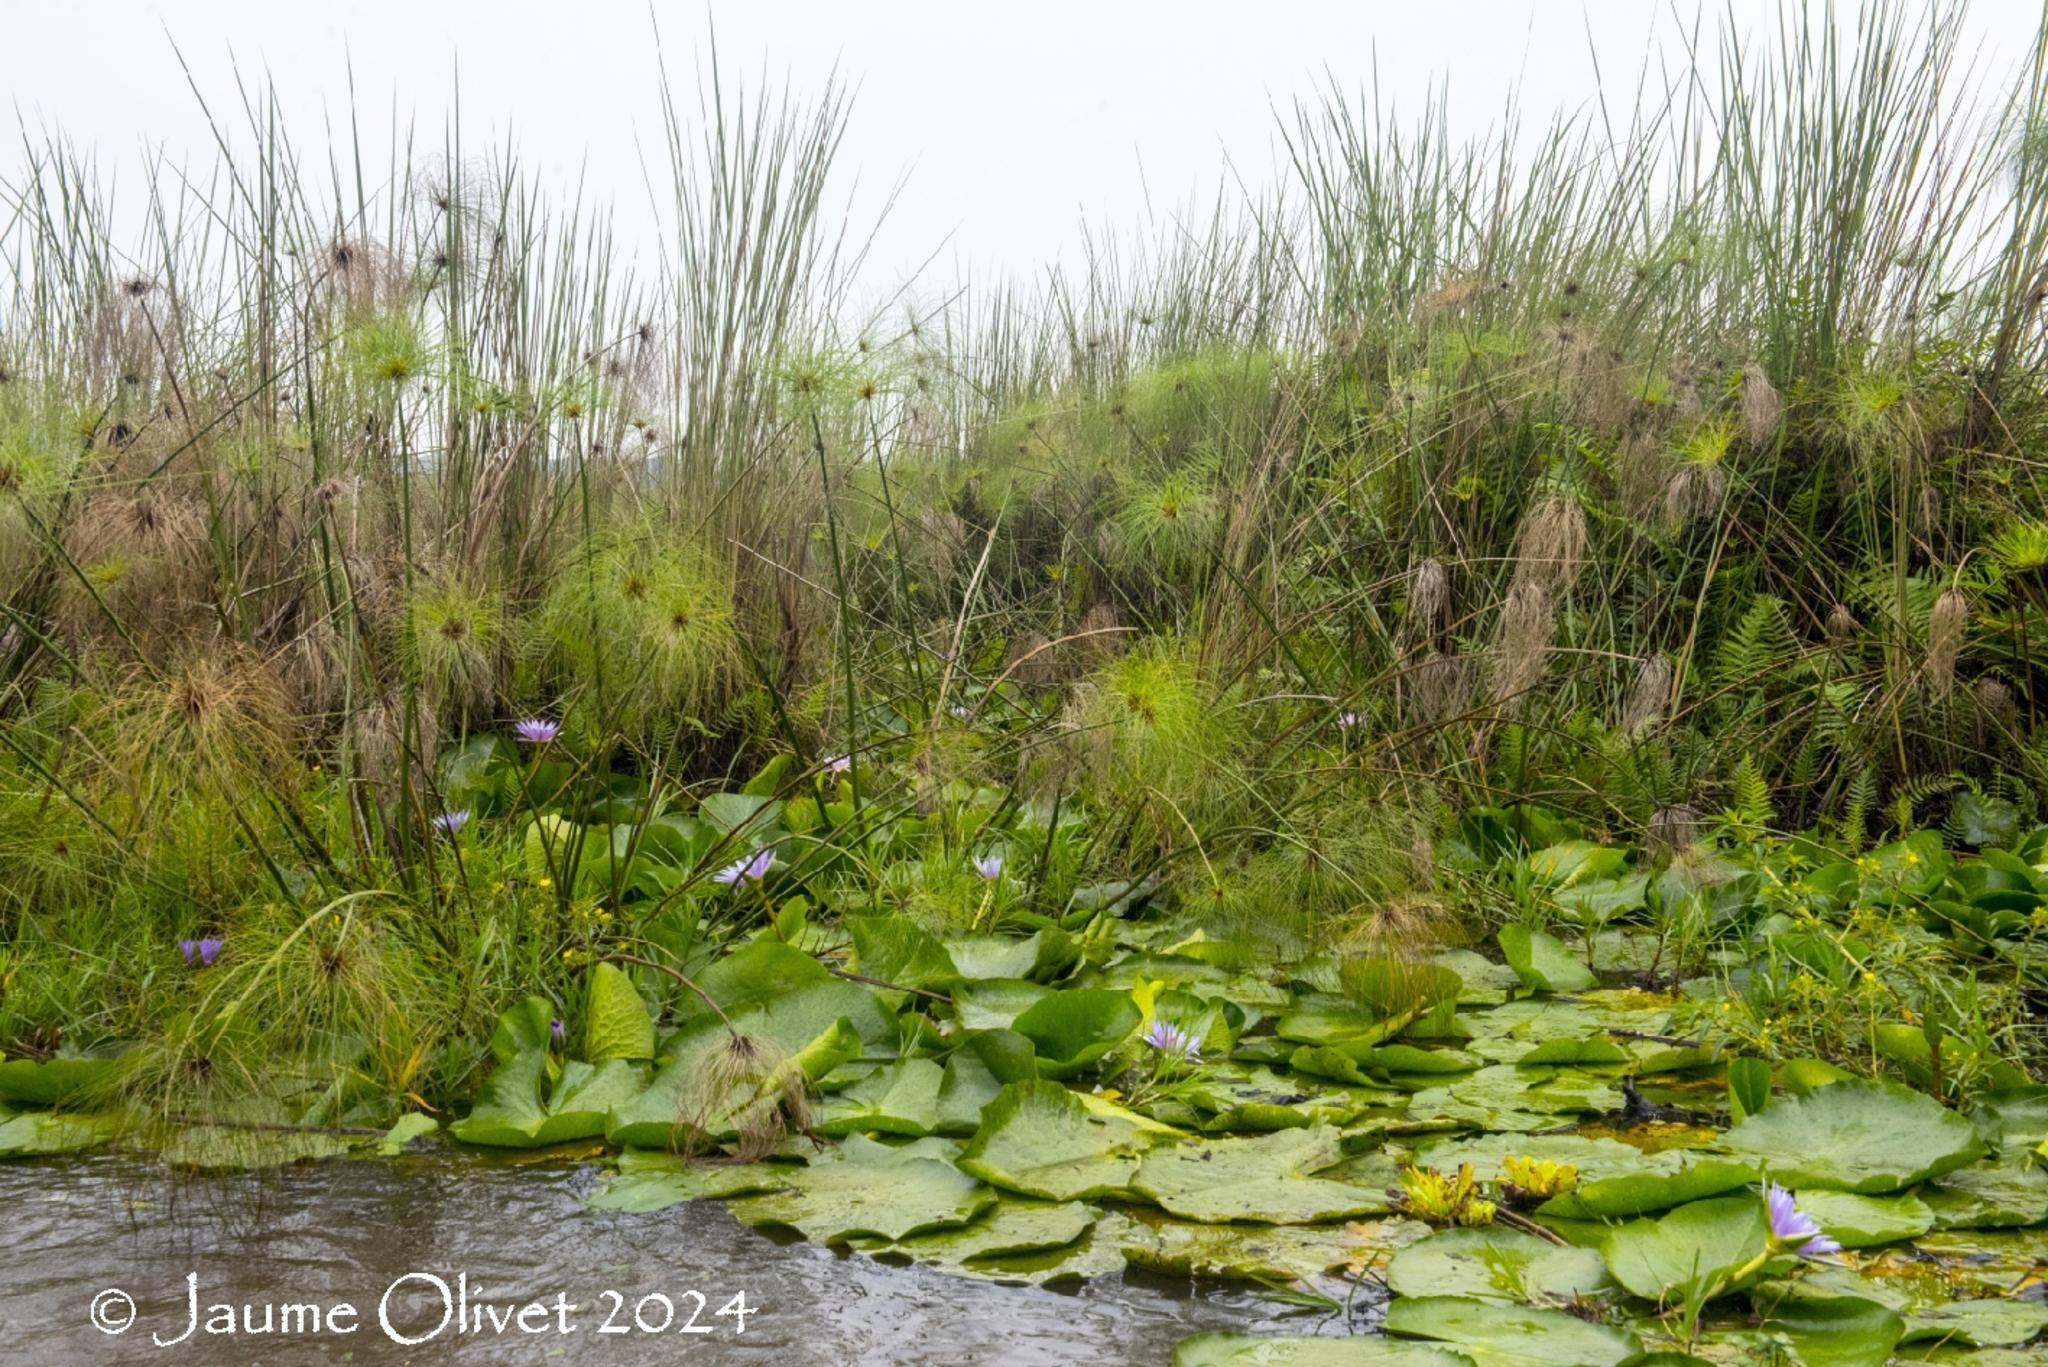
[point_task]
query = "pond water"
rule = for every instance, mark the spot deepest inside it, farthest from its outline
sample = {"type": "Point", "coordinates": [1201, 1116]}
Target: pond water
{"type": "Point", "coordinates": [500, 1235]}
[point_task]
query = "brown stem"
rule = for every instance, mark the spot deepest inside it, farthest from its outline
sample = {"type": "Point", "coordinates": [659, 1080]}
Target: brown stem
{"type": "Point", "coordinates": [682, 978]}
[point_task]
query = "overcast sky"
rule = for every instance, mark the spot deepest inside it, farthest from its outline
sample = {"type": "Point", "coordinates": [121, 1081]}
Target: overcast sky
{"type": "Point", "coordinates": [1005, 124]}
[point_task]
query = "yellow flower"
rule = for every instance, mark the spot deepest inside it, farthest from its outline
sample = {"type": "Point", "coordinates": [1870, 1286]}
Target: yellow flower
{"type": "Point", "coordinates": [545, 883]}
{"type": "Point", "coordinates": [1540, 1177]}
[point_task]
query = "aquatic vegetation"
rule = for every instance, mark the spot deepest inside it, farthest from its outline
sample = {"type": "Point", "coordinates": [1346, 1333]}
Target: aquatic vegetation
{"type": "Point", "coordinates": [1423, 724]}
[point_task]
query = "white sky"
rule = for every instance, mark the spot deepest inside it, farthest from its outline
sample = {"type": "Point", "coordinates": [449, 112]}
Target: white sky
{"type": "Point", "coordinates": [1011, 122]}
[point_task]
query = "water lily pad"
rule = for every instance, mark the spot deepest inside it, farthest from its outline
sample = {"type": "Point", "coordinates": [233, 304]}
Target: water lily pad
{"type": "Point", "coordinates": [46, 1082]}
{"type": "Point", "coordinates": [1010, 1229]}
{"type": "Point", "coordinates": [895, 949]}
{"type": "Point", "coordinates": [897, 1098]}
{"type": "Point", "coordinates": [1989, 1196]}
{"type": "Point", "coordinates": [408, 1127]}
{"type": "Point", "coordinates": [1246, 1350]}
{"type": "Point", "coordinates": [1496, 1335]}
{"type": "Point", "coordinates": [649, 1181]}
{"type": "Point", "coordinates": [1543, 962]}
{"type": "Point", "coordinates": [1867, 1221]}
{"type": "Point", "coordinates": [1266, 1178]}
{"type": "Point", "coordinates": [867, 1188]}
{"type": "Point", "coordinates": [37, 1133]}
{"type": "Point", "coordinates": [523, 1108]}
{"type": "Point", "coordinates": [976, 1071]}
{"type": "Point", "coordinates": [1496, 1264]}
{"type": "Point", "coordinates": [1837, 1331]}
{"type": "Point", "coordinates": [1988, 1323]}
{"type": "Point", "coordinates": [1597, 1051]}
{"type": "Point", "coordinates": [1693, 1251]}
{"type": "Point", "coordinates": [2008, 1118]}
{"type": "Point", "coordinates": [995, 1003]}
{"type": "Point", "coordinates": [1074, 1028]}
{"type": "Point", "coordinates": [1867, 1137]}
{"type": "Point", "coordinates": [1267, 1253]}
{"type": "Point", "coordinates": [1038, 1138]}
{"type": "Point", "coordinates": [222, 1148]}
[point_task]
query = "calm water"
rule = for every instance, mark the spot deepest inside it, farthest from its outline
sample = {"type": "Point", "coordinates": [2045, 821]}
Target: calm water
{"type": "Point", "coordinates": [345, 1231]}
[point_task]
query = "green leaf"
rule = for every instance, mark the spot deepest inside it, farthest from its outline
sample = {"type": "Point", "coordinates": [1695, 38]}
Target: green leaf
{"type": "Point", "coordinates": [1837, 1331]}
{"type": "Point", "coordinates": [1866, 1137]}
{"type": "Point", "coordinates": [1542, 961]}
{"type": "Point", "coordinates": [48, 1082]}
{"type": "Point", "coordinates": [1074, 1028]}
{"type": "Point", "coordinates": [1593, 1051]}
{"type": "Point", "coordinates": [674, 1108]}
{"type": "Point", "coordinates": [896, 1098]}
{"type": "Point", "coordinates": [1866, 1221]}
{"type": "Point", "coordinates": [1245, 1350]}
{"type": "Point", "coordinates": [408, 1127]}
{"type": "Point", "coordinates": [1749, 1087]}
{"type": "Point", "coordinates": [1498, 1335]}
{"type": "Point", "coordinates": [617, 1024]}
{"type": "Point", "coordinates": [1038, 1139]}
{"type": "Point", "coordinates": [1496, 1264]}
{"type": "Point", "coordinates": [1011, 1228]}
{"type": "Point", "coordinates": [1692, 1253]}
{"type": "Point", "coordinates": [1266, 1178]}
{"type": "Point", "coordinates": [866, 1188]}
{"type": "Point", "coordinates": [37, 1133]}
{"type": "Point", "coordinates": [2000, 1195]}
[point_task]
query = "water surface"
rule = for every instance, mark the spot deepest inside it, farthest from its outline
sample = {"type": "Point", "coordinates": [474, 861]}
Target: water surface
{"type": "Point", "coordinates": [344, 1232]}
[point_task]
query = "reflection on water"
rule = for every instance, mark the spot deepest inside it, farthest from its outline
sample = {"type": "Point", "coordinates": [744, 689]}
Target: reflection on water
{"type": "Point", "coordinates": [344, 1232]}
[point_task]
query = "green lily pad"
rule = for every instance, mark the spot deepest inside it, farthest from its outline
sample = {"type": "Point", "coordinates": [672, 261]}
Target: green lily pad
{"type": "Point", "coordinates": [47, 1082]}
{"type": "Point", "coordinates": [976, 1071]}
{"type": "Point", "coordinates": [408, 1127]}
{"type": "Point", "coordinates": [1010, 1229]}
{"type": "Point", "coordinates": [1695, 1251]}
{"type": "Point", "coordinates": [1865, 1137]}
{"type": "Point", "coordinates": [1038, 1138]}
{"type": "Point", "coordinates": [1988, 1196]}
{"type": "Point", "coordinates": [1073, 1028]}
{"type": "Point", "coordinates": [1262, 1253]}
{"type": "Point", "coordinates": [995, 1003]}
{"type": "Point", "coordinates": [1496, 1335]}
{"type": "Point", "coordinates": [1988, 1323]}
{"type": "Point", "coordinates": [1592, 1051]}
{"type": "Point", "coordinates": [1496, 1264]}
{"type": "Point", "coordinates": [1266, 1178]}
{"type": "Point", "coordinates": [1866, 1221]}
{"type": "Point", "coordinates": [897, 1098]}
{"type": "Point", "coordinates": [1837, 1331]}
{"type": "Point", "coordinates": [649, 1180]}
{"type": "Point", "coordinates": [1246, 1350]}
{"type": "Point", "coordinates": [524, 1107]}
{"type": "Point", "coordinates": [868, 1188]}
{"type": "Point", "coordinates": [1543, 962]}
{"type": "Point", "coordinates": [35, 1134]}
{"type": "Point", "coordinates": [2009, 1118]}
{"type": "Point", "coordinates": [222, 1148]}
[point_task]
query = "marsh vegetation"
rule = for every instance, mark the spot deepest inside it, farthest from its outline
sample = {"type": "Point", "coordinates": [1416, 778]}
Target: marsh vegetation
{"type": "Point", "coordinates": [1490, 687]}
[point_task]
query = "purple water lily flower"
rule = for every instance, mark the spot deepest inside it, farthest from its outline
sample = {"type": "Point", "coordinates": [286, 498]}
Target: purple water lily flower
{"type": "Point", "coordinates": [203, 952]}
{"type": "Point", "coordinates": [838, 764]}
{"type": "Point", "coordinates": [961, 711]}
{"type": "Point", "coordinates": [537, 730]}
{"type": "Point", "coordinates": [754, 867]}
{"type": "Point", "coordinates": [989, 866]}
{"type": "Point", "coordinates": [1173, 1042]}
{"type": "Point", "coordinates": [558, 1034]}
{"type": "Point", "coordinates": [1792, 1229]}
{"type": "Point", "coordinates": [451, 822]}
{"type": "Point", "coordinates": [1347, 720]}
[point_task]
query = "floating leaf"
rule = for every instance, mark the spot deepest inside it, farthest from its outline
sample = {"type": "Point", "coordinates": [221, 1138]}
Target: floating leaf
{"type": "Point", "coordinates": [1037, 1138]}
{"type": "Point", "coordinates": [1510, 1335]}
{"type": "Point", "coordinates": [1245, 1350]}
{"type": "Point", "coordinates": [1866, 1221]}
{"type": "Point", "coordinates": [1694, 1252]}
{"type": "Point", "coordinates": [1074, 1028]}
{"type": "Point", "coordinates": [896, 1098]}
{"type": "Point", "coordinates": [867, 1188]}
{"type": "Point", "coordinates": [1837, 1331]}
{"type": "Point", "coordinates": [1867, 1137]}
{"type": "Point", "coordinates": [1988, 1196]}
{"type": "Point", "coordinates": [1496, 1264]}
{"type": "Point", "coordinates": [1266, 1178]}
{"type": "Point", "coordinates": [1542, 961]}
